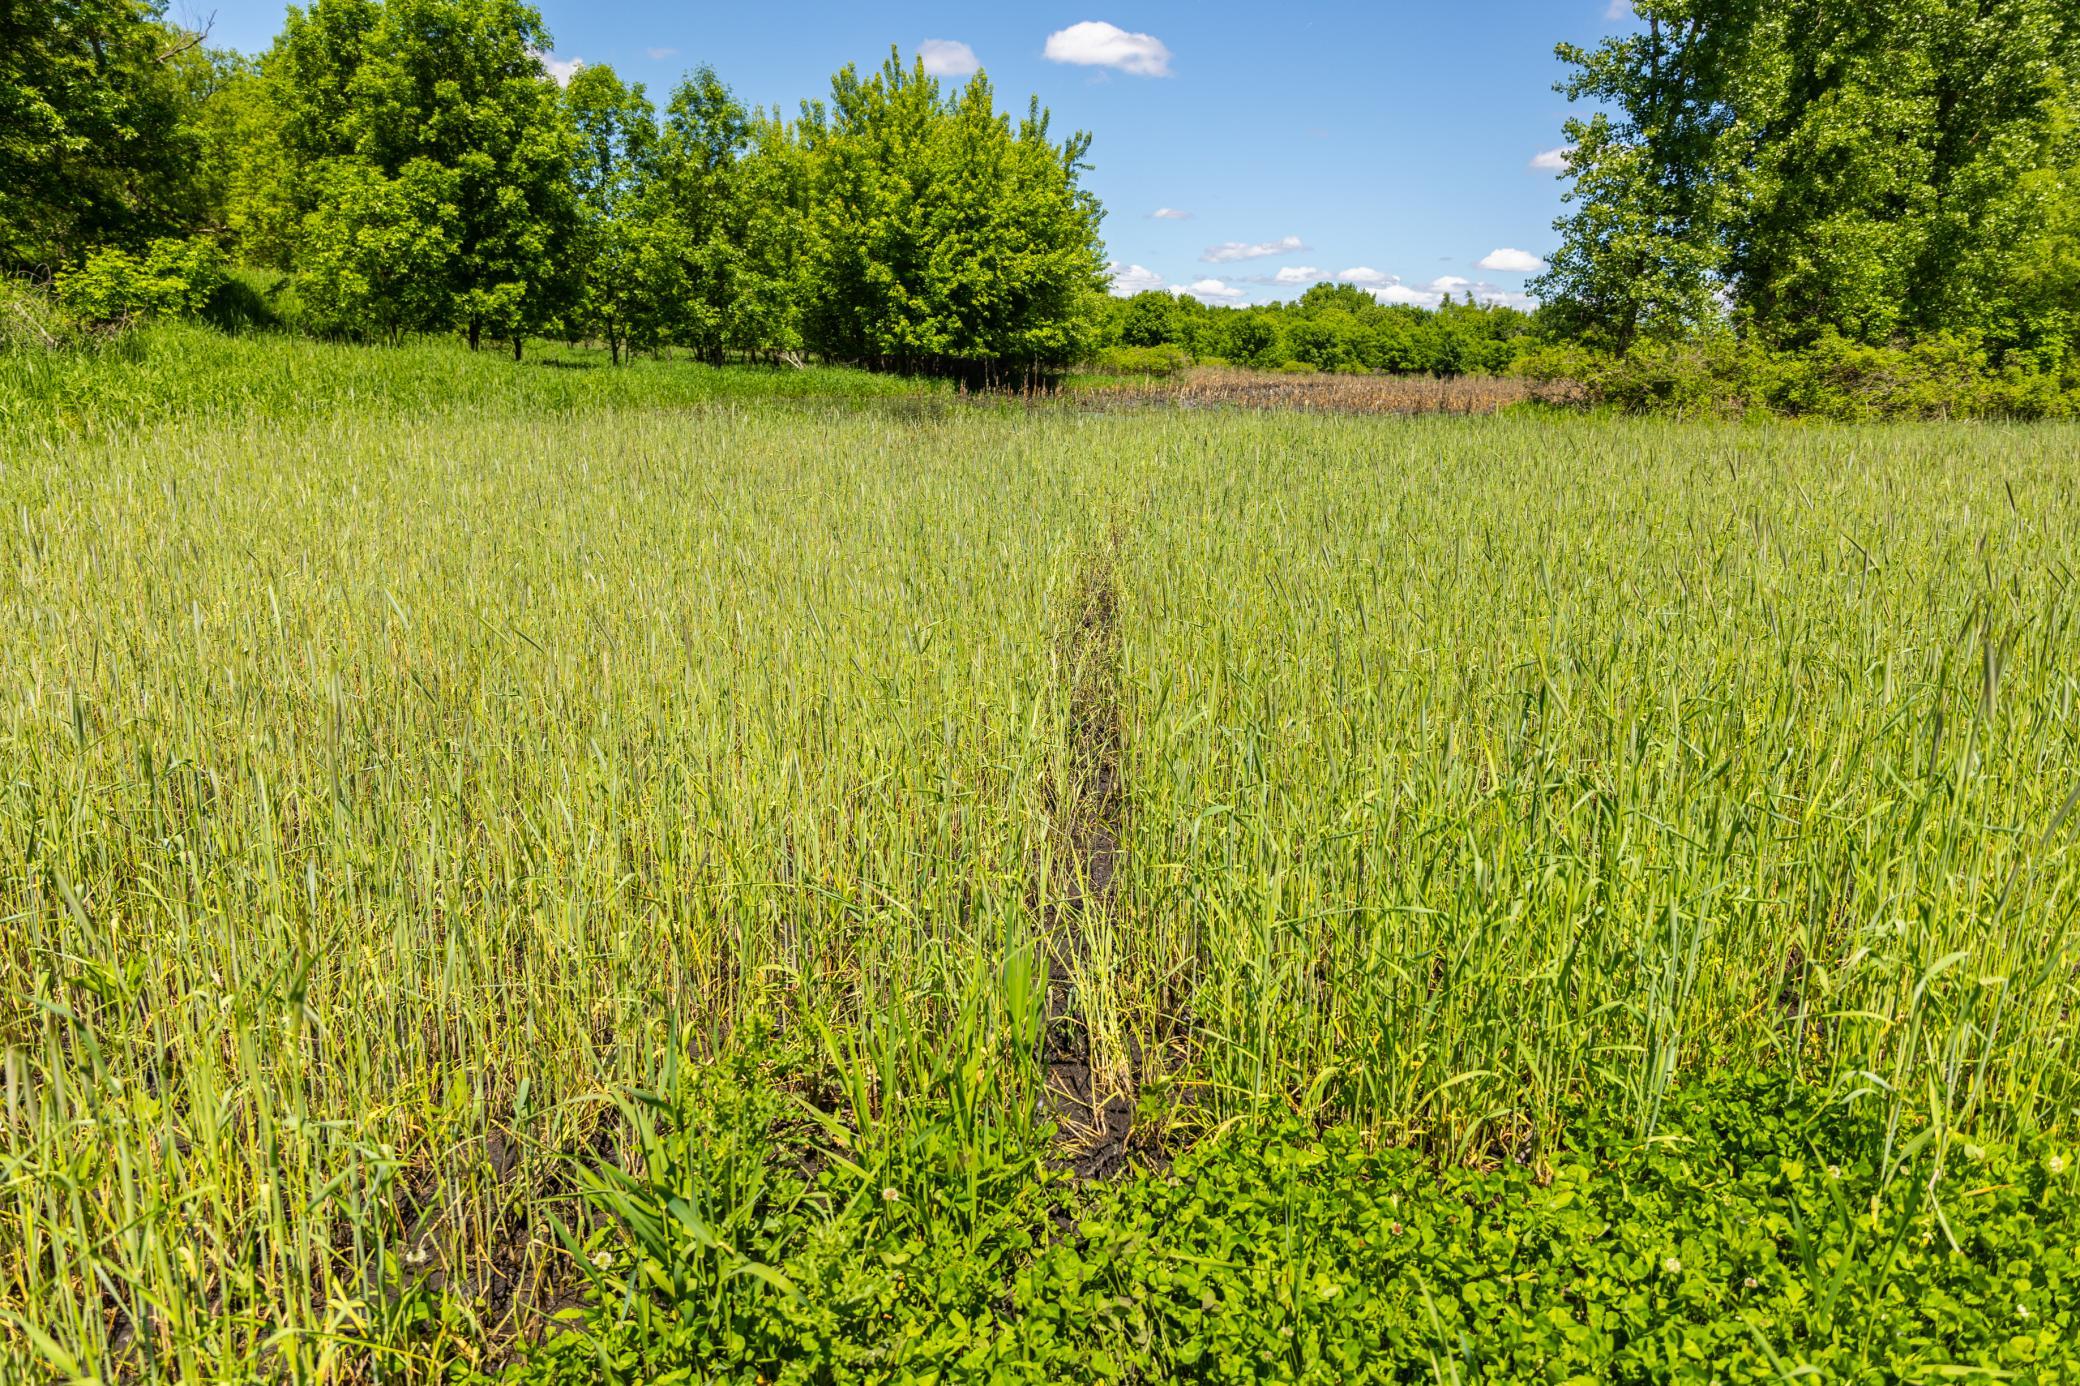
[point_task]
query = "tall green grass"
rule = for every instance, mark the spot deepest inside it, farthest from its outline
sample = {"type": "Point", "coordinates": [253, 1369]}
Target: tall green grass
{"type": "Point", "coordinates": [182, 371]}
{"type": "Point", "coordinates": [386, 792]}
{"type": "Point", "coordinates": [1480, 765]}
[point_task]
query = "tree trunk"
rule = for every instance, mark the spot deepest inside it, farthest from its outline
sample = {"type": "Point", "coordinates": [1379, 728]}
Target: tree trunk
{"type": "Point", "coordinates": [516, 346]}
{"type": "Point", "coordinates": [476, 331]}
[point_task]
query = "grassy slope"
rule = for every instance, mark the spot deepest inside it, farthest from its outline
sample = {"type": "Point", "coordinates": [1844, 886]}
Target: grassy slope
{"type": "Point", "coordinates": [179, 371]}
{"type": "Point", "coordinates": [406, 751]}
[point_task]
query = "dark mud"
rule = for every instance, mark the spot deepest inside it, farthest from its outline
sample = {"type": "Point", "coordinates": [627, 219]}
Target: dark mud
{"type": "Point", "coordinates": [1087, 819]}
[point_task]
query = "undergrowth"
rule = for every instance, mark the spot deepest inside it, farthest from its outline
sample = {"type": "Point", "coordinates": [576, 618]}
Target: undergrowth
{"type": "Point", "coordinates": [1765, 1230]}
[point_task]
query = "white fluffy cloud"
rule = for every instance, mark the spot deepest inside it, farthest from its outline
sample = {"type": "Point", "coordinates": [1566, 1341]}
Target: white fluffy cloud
{"type": "Point", "coordinates": [1298, 274]}
{"type": "Point", "coordinates": [1390, 290]}
{"type": "Point", "coordinates": [562, 69]}
{"type": "Point", "coordinates": [1210, 291]}
{"type": "Point", "coordinates": [1128, 280]}
{"type": "Point", "coordinates": [1552, 160]}
{"type": "Point", "coordinates": [1402, 293]}
{"type": "Point", "coordinates": [660, 54]}
{"type": "Point", "coordinates": [1510, 261]}
{"type": "Point", "coordinates": [1170, 214]}
{"type": "Point", "coordinates": [1228, 252]}
{"type": "Point", "coordinates": [1095, 43]}
{"type": "Point", "coordinates": [948, 58]}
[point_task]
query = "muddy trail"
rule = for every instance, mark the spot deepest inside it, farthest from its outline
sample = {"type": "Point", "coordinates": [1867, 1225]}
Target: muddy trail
{"type": "Point", "coordinates": [1086, 809]}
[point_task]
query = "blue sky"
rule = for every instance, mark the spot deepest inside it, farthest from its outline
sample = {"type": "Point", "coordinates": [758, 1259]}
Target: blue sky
{"type": "Point", "coordinates": [1242, 151]}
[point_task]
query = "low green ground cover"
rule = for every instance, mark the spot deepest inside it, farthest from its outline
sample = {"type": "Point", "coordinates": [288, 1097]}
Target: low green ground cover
{"type": "Point", "coordinates": [1763, 1231]}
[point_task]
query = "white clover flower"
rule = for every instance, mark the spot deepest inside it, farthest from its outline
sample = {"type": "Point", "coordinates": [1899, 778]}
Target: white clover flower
{"type": "Point", "coordinates": [2056, 1164]}
{"type": "Point", "coordinates": [1672, 1265]}
{"type": "Point", "coordinates": [1750, 1283]}
{"type": "Point", "coordinates": [1834, 1171]}
{"type": "Point", "coordinates": [891, 1196]}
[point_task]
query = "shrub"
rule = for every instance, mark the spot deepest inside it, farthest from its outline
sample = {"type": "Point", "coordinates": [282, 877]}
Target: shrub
{"type": "Point", "coordinates": [1681, 378]}
{"type": "Point", "coordinates": [1164, 360]}
{"type": "Point", "coordinates": [173, 278]}
{"type": "Point", "coordinates": [1940, 377]}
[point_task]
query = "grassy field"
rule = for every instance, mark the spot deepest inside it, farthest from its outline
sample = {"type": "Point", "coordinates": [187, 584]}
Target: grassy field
{"type": "Point", "coordinates": [468, 830]}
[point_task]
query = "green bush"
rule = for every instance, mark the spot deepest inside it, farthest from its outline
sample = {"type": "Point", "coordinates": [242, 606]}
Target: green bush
{"type": "Point", "coordinates": [1162, 360]}
{"type": "Point", "coordinates": [173, 278]}
{"type": "Point", "coordinates": [1685, 379]}
{"type": "Point", "coordinates": [1836, 378]}
{"type": "Point", "coordinates": [1941, 377]}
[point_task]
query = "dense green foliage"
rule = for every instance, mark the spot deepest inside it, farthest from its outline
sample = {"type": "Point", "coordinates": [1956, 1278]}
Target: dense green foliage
{"type": "Point", "coordinates": [1331, 327]}
{"type": "Point", "coordinates": [1819, 208]}
{"type": "Point", "coordinates": [96, 143]}
{"type": "Point", "coordinates": [173, 278]}
{"type": "Point", "coordinates": [1762, 1229]}
{"type": "Point", "coordinates": [1006, 241]}
{"type": "Point", "coordinates": [1879, 171]}
{"type": "Point", "coordinates": [1945, 376]}
{"type": "Point", "coordinates": [429, 160]}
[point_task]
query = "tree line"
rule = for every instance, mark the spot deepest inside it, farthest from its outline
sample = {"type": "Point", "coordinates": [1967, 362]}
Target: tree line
{"type": "Point", "coordinates": [413, 167]}
{"type": "Point", "coordinates": [1330, 327]}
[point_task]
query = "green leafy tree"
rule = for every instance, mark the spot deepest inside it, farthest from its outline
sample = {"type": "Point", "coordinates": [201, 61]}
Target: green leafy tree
{"type": "Point", "coordinates": [433, 165]}
{"type": "Point", "coordinates": [242, 172]}
{"type": "Point", "coordinates": [377, 260]}
{"type": "Point", "coordinates": [774, 182]}
{"type": "Point", "coordinates": [700, 211]}
{"type": "Point", "coordinates": [946, 239]}
{"type": "Point", "coordinates": [1149, 319]}
{"type": "Point", "coordinates": [1328, 339]}
{"type": "Point", "coordinates": [96, 140]}
{"type": "Point", "coordinates": [1878, 170]}
{"type": "Point", "coordinates": [1642, 253]}
{"type": "Point", "coordinates": [616, 129]}
{"type": "Point", "coordinates": [1253, 338]}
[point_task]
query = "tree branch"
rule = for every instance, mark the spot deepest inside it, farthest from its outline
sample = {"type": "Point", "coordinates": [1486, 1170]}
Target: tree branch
{"type": "Point", "coordinates": [194, 38]}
